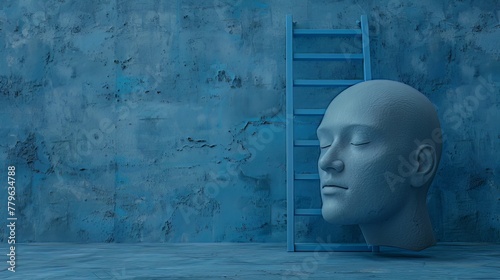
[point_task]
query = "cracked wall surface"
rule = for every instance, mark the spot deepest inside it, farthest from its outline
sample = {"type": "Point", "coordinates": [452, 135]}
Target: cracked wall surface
{"type": "Point", "coordinates": [163, 121]}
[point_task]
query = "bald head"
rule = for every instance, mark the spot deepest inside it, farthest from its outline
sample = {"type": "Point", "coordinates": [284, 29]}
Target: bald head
{"type": "Point", "coordinates": [379, 154]}
{"type": "Point", "coordinates": [401, 111]}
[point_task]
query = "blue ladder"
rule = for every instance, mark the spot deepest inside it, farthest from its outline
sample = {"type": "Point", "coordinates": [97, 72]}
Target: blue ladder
{"type": "Point", "coordinates": [291, 112]}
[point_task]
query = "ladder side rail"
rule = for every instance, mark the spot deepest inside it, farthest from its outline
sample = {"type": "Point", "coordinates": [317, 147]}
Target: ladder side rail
{"type": "Point", "coordinates": [367, 70]}
{"type": "Point", "coordinates": [365, 37]}
{"type": "Point", "coordinates": [290, 191]}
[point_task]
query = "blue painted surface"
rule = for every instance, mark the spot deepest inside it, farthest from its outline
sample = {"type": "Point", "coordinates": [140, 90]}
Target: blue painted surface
{"type": "Point", "coordinates": [163, 121]}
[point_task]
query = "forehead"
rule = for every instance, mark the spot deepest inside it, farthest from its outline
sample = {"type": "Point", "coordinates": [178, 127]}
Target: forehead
{"type": "Point", "coordinates": [363, 113]}
{"type": "Point", "coordinates": [392, 108]}
{"type": "Point", "coordinates": [328, 128]}
{"type": "Point", "coordinates": [351, 113]}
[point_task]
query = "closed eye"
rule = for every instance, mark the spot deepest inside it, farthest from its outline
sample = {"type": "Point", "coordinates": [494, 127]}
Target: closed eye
{"type": "Point", "coordinates": [324, 147]}
{"type": "Point", "coordinates": [359, 144]}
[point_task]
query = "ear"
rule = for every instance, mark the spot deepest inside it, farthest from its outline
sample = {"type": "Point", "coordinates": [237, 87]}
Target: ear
{"type": "Point", "coordinates": [425, 161]}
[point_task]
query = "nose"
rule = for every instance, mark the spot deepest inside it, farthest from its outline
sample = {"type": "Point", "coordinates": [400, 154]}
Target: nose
{"type": "Point", "coordinates": [338, 165]}
{"type": "Point", "coordinates": [328, 163]}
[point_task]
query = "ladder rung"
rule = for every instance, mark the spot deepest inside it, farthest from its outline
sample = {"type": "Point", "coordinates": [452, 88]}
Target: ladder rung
{"type": "Point", "coordinates": [327, 32]}
{"type": "Point", "coordinates": [329, 247]}
{"type": "Point", "coordinates": [327, 56]}
{"type": "Point", "coordinates": [306, 143]}
{"type": "Point", "coordinates": [307, 212]}
{"type": "Point", "coordinates": [325, 83]}
{"type": "Point", "coordinates": [309, 112]}
{"type": "Point", "coordinates": [304, 176]}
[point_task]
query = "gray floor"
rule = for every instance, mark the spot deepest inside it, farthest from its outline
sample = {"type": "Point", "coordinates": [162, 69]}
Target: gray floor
{"type": "Point", "coordinates": [246, 261]}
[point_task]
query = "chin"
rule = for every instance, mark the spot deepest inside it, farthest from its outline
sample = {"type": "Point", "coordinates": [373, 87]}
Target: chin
{"type": "Point", "coordinates": [334, 215]}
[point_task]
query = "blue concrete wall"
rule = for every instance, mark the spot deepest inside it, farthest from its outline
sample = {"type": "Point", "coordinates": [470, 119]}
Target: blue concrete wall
{"type": "Point", "coordinates": [163, 121]}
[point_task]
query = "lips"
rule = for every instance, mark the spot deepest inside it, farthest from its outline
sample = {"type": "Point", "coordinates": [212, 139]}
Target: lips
{"type": "Point", "coordinates": [333, 186]}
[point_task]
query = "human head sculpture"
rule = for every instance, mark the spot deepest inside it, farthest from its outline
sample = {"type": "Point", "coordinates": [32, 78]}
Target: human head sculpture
{"type": "Point", "coordinates": [380, 144]}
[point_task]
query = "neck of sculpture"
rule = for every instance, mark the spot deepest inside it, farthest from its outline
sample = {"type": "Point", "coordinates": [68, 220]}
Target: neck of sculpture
{"type": "Point", "coordinates": [409, 229]}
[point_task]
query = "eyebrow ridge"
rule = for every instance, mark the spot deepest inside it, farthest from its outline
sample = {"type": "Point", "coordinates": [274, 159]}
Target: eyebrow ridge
{"type": "Point", "coordinates": [323, 129]}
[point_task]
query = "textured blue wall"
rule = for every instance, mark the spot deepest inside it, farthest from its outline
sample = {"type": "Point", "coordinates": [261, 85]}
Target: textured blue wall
{"type": "Point", "coordinates": [163, 121]}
